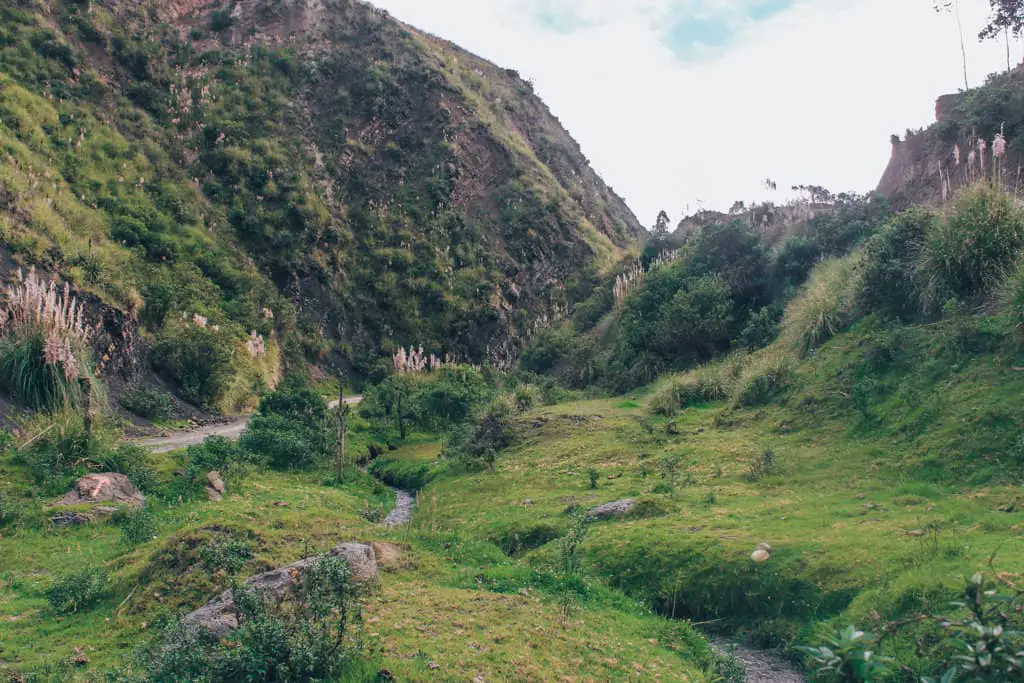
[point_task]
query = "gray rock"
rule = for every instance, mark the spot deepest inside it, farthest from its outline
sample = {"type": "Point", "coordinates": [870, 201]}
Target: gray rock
{"type": "Point", "coordinates": [108, 487]}
{"type": "Point", "coordinates": [220, 617]}
{"type": "Point", "coordinates": [215, 482]}
{"type": "Point", "coordinates": [617, 508]}
{"type": "Point", "coordinates": [69, 518]}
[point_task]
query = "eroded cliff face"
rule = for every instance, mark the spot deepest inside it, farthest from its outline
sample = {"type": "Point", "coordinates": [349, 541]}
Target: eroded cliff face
{"type": "Point", "coordinates": [928, 166]}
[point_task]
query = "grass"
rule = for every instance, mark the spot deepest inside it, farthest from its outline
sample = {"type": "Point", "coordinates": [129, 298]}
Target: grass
{"type": "Point", "coordinates": [863, 514]}
{"type": "Point", "coordinates": [428, 617]}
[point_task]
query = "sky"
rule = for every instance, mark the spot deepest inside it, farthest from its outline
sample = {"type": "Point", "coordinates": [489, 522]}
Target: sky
{"type": "Point", "coordinates": [689, 104]}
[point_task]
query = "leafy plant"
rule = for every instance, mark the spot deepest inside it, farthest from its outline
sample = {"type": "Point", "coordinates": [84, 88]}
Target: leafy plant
{"type": "Point", "coordinates": [477, 446]}
{"type": "Point", "coordinates": [137, 526]}
{"type": "Point", "coordinates": [223, 455]}
{"type": "Point", "coordinates": [847, 656]}
{"type": "Point", "coordinates": [305, 636]}
{"type": "Point", "coordinates": [293, 429]}
{"type": "Point", "coordinates": [593, 475]}
{"type": "Point", "coordinates": [79, 590]}
{"type": "Point", "coordinates": [228, 555]}
{"type": "Point", "coordinates": [200, 359]}
{"type": "Point", "coordinates": [149, 403]}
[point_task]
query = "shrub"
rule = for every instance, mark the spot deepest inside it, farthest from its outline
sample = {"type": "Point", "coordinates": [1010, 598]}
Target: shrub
{"type": "Point", "coordinates": [151, 404]}
{"type": "Point", "coordinates": [824, 307]}
{"type": "Point", "coordinates": [223, 455]}
{"type": "Point", "coordinates": [761, 329]}
{"type": "Point", "coordinates": [79, 590]}
{"type": "Point", "coordinates": [890, 282]}
{"type": "Point", "coordinates": [198, 359]}
{"type": "Point", "coordinates": [526, 396]}
{"type": "Point", "coordinates": [228, 555]}
{"type": "Point", "coordinates": [137, 526]}
{"type": "Point", "coordinates": [477, 446]}
{"type": "Point", "coordinates": [132, 461]}
{"type": "Point", "coordinates": [305, 636]}
{"type": "Point", "coordinates": [293, 429]}
{"type": "Point", "coordinates": [973, 245]}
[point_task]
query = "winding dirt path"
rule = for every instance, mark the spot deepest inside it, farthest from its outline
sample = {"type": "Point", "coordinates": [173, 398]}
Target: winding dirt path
{"type": "Point", "coordinates": [231, 430]}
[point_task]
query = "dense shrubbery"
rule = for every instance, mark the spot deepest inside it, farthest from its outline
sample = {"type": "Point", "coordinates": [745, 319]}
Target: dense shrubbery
{"type": "Point", "coordinates": [437, 401]}
{"type": "Point", "coordinates": [198, 359]}
{"type": "Point", "coordinates": [151, 404]}
{"type": "Point", "coordinates": [306, 636]}
{"type": "Point", "coordinates": [293, 429]}
{"type": "Point", "coordinates": [477, 445]}
{"type": "Point", "coordinates": [78, 591]}
{"type": "Point", "coordinates": [970, 250]}
{"type": "Point", "coordinates": [223, 455]}
{"type": "Point", "coordinates": [891, 285]}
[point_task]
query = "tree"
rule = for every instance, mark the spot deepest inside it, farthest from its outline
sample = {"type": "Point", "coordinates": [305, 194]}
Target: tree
{"type": "Point", "coordinates": [342, 420]}
{"type": "Point", "coordinates": [954, 6]}
{"type": "Point", "coordinates": [661, 225]}
{"type": "Point", "coordinates": [1007, 16]}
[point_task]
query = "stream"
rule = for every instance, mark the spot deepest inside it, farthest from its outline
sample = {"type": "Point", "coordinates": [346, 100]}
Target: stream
{"type": "Point", "coordinates": [402, 512]}
{"type": "Point", "coordinates": [762, 666]}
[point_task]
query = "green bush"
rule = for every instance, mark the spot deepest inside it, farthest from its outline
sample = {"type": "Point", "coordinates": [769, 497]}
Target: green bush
{"type": "Point", "coordinates": [973, 246]}
{"type": "Point", "coordinates": [137, 526]}
{"type": "Point", "coordinates": [761, 329]}
{"type": "Point", "coordinates": [293, 429]}
{"type": "Point", "coordinates": [223, 455]}
{"type": "Point", "coordinates": [132, 461]}
{"type": "Point", "coordinates": [477, 446]}
{"type": "Point", "coordinates": [697, 388]}
{"type": "Point", "coordinates": [148, 403]}
{"type": "Point", "coordinates": [890, 282]}
{"type": "Point", "coordinates": [228, 555]}
{"type": "Point", "coordinates": [79, 591]}
{"type": "Point", "coordinates": [306, 636]}
{"type": "Point", "coordinates": [198, 359]}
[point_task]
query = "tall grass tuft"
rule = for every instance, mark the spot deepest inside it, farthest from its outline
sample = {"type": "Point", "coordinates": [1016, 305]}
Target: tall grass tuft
{"type": "Point", "coordinates": [44, 344]}
{"type": "Point", "coordinates": [825, 306]}
{"type": "Point", "coordinates": [970, 250]}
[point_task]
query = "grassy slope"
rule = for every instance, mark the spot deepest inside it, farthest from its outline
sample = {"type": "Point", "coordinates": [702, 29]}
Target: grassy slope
{"type": "Point", "coordinates": [429, 610]}
{"type": "Point", "coordinates": [865, 512]}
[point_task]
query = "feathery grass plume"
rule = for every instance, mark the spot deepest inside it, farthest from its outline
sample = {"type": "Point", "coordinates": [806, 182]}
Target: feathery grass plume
{"type": "Point", "coordinates": [255, 344]}
{"type": "Point", "coordinates": [956, 155]}
{"type": "Point", "coordinates": [43, 343]}
{"type": "Point", "coordinates": [982, 146]}
{"type": "Point", "coordinates": [998, 153]}
{"type": "Point", "coordinates": [825, 306]}
{"type": "Point", "coordinates": [416, 361]}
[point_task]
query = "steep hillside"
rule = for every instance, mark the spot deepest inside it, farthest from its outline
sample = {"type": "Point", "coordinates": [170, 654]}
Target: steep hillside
{"type": "Point", "coordinates": [316, 172]}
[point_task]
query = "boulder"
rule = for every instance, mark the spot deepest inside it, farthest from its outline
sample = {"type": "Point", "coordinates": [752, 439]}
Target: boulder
{"type": "Point", "coordinates": [220, 617]}
{"type": "Point", "coordinates": [69, 518]}
{"type": "Point", "coordinates": [762, 553]}
{"type": "Point", "coordinates": [215, 488]}
{"type": "Point", "coordinates": [617, 508]}
{"type": "Point", "coordinates": [108, 487]}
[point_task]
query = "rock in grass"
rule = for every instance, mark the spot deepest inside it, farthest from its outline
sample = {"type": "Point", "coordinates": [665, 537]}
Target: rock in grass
{"type": "Point", "coordinates": [762, 553]}
{"type": "Point", "coordinates": [215, 488]}
{"type": "Point", "coordinates": [618, 508]}
{"type": "Point", "coordinates": [108, 487]}
{"type": "Point", "coordinates": [220, 617]}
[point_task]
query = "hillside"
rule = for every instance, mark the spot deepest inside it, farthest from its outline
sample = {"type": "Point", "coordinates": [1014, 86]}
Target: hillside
{"type": "Point", "coordinates": [317, 172]}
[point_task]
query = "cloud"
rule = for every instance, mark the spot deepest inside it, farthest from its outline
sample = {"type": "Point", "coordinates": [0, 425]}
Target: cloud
{"type": "Point", "coordinates": [680, 102]}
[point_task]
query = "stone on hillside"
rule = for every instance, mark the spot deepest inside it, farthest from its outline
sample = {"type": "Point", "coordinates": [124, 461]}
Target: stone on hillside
{"type": "Point", "coordinates": [617, 508]}
{"type": "Point", "coordinates": [215, 481]}
{"type": "Point", "coordinates": [765, 547]}
{"type": "Point", "coordinates": [220, 617]}
{"type": "Point", "coordinates": [108, 487]}
{"type": "Point", "coordinates": [760, 556]}
{"type": "Point", "coordinates": [69, 518]}
{"type": "Point", "coordinates": [215, 488]}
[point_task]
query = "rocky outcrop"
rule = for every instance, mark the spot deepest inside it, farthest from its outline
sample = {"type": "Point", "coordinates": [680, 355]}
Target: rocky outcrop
{"type": "Point", "coordinates": [220, 617]}
{"type": "Point", "coordinates": [618, 508]}
{"type": "Point", "coordinates": [109, 487]}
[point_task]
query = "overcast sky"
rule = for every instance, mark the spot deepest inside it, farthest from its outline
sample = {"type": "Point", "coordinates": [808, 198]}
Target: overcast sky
{"type": "Point", "coordinates": [687, 103]}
